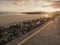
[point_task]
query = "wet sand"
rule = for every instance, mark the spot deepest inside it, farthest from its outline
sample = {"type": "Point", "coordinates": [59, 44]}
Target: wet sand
{"type": "Point", "coordinates": [9, 19]}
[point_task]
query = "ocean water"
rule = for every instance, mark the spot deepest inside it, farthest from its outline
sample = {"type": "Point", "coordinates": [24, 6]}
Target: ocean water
{"type": "Point", "coordinates": [9, 13]}
{"type": "Point", "coordinates": [8, 18]}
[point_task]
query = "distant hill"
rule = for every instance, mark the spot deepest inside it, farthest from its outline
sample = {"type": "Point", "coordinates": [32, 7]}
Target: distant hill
{"type": "Point", "coordinates": [34, 12]}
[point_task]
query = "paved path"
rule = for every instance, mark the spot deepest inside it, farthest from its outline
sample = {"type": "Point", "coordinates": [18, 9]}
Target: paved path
{"type": "Point", "coordinates": [50, 35]}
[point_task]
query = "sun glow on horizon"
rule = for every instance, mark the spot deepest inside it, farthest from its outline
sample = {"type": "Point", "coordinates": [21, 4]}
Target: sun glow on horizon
{"type": "Point", "coordinates": [48, 9]}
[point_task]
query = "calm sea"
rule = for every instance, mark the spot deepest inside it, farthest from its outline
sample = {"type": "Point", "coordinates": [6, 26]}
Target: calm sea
{"type": "Point", "coordinates": [9, 13]}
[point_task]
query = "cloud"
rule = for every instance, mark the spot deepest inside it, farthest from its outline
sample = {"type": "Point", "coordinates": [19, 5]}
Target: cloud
{"type": "Point", "coordinates": [31, 5]}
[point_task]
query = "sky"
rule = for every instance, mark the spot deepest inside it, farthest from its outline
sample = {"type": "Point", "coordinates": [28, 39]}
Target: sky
{"type": "Point", "coordinates": [27, 5]}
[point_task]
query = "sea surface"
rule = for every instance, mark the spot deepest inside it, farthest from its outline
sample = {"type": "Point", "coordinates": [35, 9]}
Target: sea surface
{"type": "Point", "coordinates": [9, 13]}
{"type": "Point", "coordinates": [8, 18]}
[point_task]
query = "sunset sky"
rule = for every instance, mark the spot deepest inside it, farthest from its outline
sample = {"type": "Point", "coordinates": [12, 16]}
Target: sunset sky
{"type": "Point", "coordinates": [27, 5]}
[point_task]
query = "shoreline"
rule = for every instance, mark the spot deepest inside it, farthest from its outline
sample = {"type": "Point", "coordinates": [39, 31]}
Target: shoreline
{"type": "Point", "coordinates": [9, 19]}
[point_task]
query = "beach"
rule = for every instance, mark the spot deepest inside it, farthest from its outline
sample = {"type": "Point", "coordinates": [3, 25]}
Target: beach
{"type": "Point", "coordinates": [11, 19]}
